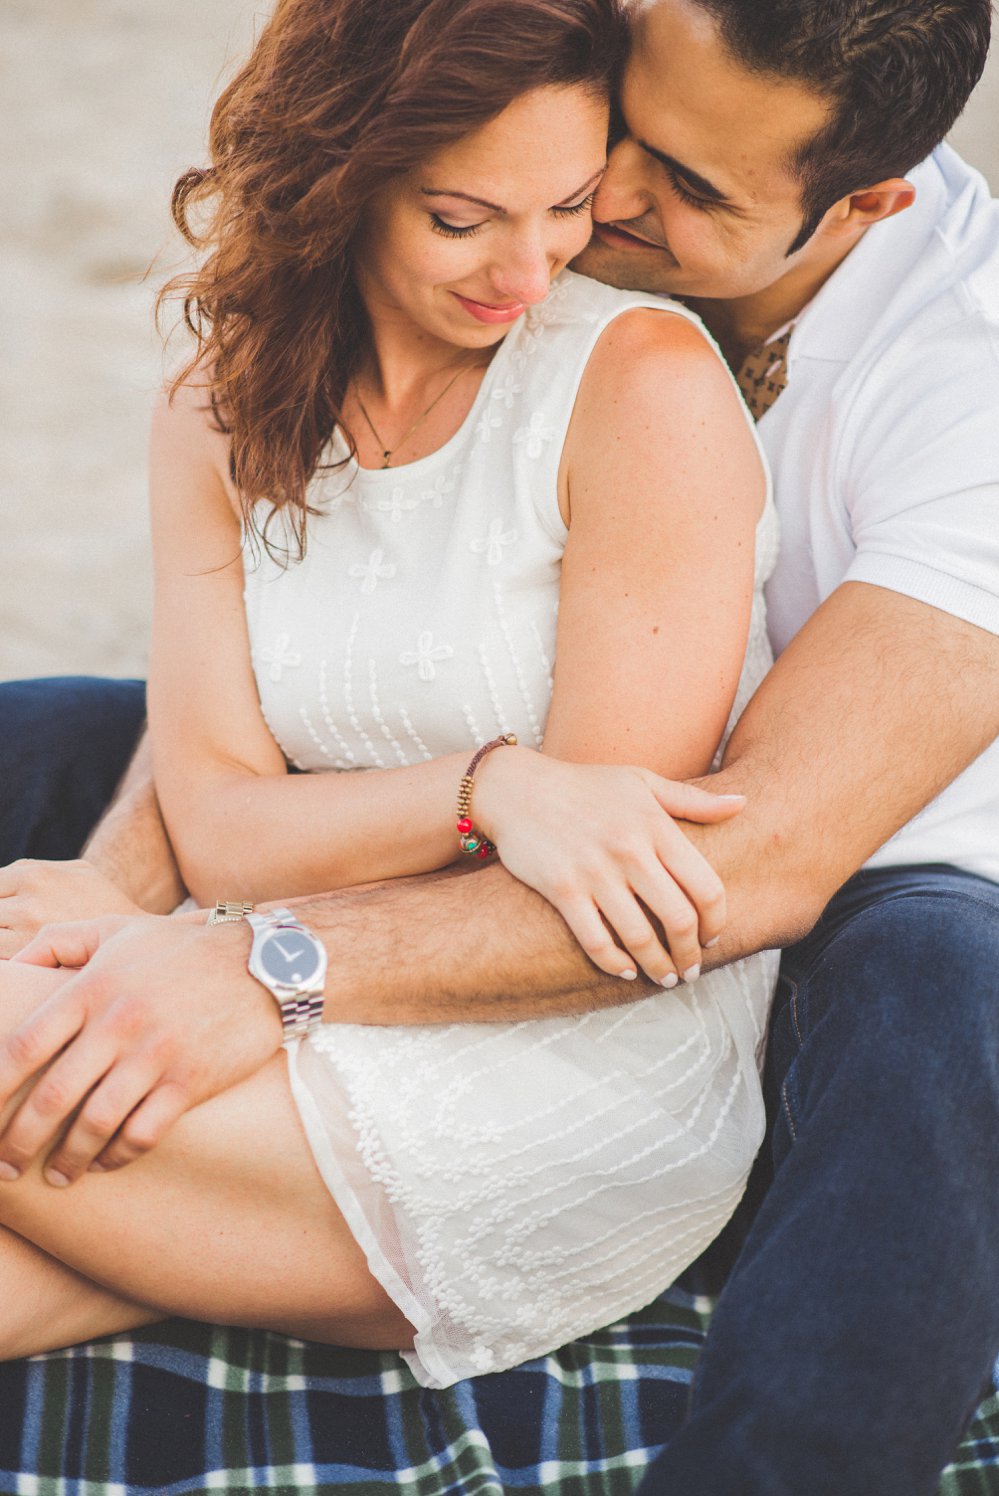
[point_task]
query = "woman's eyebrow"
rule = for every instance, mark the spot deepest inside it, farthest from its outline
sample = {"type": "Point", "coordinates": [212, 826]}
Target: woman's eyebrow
{"type": "Point", "coordinates": [481, 202]}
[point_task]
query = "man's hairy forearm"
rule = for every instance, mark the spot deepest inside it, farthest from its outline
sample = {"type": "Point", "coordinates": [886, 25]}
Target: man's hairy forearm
{"type": "Point", "coordinates": [130, 845]}
{"type": "Point", "coordinates": [447, 948]}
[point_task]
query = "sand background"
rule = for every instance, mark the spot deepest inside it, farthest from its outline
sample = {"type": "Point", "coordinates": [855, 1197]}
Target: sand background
{"type": "Point", "coordinates": [102, 104]}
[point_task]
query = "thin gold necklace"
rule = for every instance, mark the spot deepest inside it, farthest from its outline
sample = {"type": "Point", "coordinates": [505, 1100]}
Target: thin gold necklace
{"type": "Point", "coordinates": [388, 451]}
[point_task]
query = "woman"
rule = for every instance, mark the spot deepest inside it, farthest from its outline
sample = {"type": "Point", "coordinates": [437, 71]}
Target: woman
{"type": "Point", "coordinates": [422, 436]}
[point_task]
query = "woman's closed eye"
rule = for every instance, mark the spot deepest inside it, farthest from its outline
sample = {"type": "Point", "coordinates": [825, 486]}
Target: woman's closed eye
{"type": "Point", "coordinates": [465, 231]}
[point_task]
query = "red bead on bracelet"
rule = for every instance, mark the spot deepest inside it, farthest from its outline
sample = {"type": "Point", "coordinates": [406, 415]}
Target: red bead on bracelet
{"type": "Point", "coordinates": [470, 840]}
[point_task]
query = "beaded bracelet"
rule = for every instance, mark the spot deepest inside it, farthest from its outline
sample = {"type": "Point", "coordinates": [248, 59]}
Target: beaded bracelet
{"type": "Point", "coordinates": [470, 840]}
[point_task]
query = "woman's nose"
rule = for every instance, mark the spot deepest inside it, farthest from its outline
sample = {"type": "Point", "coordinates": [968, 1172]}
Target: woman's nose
{"type": "Point", "coordinates": [525, 274]}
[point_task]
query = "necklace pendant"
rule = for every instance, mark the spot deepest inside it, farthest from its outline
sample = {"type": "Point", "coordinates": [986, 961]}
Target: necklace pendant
{"type": "Point", "coordinates": [386, 463]}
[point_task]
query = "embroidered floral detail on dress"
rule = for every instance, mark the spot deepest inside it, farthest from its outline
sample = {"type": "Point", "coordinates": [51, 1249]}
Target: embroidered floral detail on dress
{"type": "Point", "coordinates": [425, 655]}
{"type": "Point", "coordinates": [375, 570]}
{"type": "Point", "coordinates": [488, 423]}
{"type": "Point", "coordinates": [279, 657]}
{"type": "Point", "coordinates": [508, 391]}
{"type": "Point", "coordinates": [492, 544]}
{"type": "Point", "coordinates": [442, 487]}
{"type": "Point", "coordinates": [533, 436]}
{"type": "Point", "coordinates": [397, 504]}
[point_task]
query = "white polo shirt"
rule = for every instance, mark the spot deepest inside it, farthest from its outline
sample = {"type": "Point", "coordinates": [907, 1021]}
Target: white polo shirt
{"type": "Point", "coordinates": [885, 453]}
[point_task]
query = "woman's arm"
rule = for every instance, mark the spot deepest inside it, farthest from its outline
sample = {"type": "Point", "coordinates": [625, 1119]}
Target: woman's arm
{"type": "Point", "coordinates": [241, 827]}
{"type": "Point", "coordinates": [662, 485]}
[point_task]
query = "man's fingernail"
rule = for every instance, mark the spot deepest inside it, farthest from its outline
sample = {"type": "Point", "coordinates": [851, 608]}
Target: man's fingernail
{"type": "Point", "coordinates": [96, 1168]}
{"type": "Point", "coordinates": [55, 1177]}
{"type": "Point", "coordinates": [710, 944]}
{"type": "Point", "coordinates": [629, 975]}
{"type": "Point", "coordinates": [9, 1173]}
{"type": "Point", "coordinates": [670, 979]}
{"type": "Point", "coordinates": [691, 974]}
{"type": "Point", "coordinates": [731, 797]}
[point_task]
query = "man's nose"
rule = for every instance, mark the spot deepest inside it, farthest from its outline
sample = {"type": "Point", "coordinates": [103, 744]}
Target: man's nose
{"type": "Point", "coordinates": [622, 194]}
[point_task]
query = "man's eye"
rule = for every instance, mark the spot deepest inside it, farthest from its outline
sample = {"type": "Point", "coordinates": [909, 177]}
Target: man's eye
{"type": "Point", "coordinates": [452, 230]}
{"type": "Point", "coordinates": [684, 193]}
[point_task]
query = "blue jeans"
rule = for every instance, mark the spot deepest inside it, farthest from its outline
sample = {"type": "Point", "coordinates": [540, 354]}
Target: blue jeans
{"type": "Point", "coordinates": [64, 745]}
{"type": "Point", "coordinates": [860, 1315]}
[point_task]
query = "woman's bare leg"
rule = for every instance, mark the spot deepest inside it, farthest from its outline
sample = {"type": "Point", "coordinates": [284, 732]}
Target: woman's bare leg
{"type": "Point", "coordinates": [47, 1305]}
{"type": "Point", "coordinates": [227, 1220]}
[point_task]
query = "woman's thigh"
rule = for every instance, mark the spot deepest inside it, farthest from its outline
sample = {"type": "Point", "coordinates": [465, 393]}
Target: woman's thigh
{"type": "Point", "coordinates": [226, 1220]}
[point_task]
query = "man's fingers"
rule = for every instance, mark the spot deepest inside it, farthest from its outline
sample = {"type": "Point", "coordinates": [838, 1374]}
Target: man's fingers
{"type": "Point", "coordinates": [36, 1041]}
{"type": "Point", "coordinates": [70, 944]}
{"type": "Point", "coordinates": [108, 1111]}
{"type": "Point", "coordinates": [146, 1127]}
{"type": "Point", "coordinates": [50, 1103]}
{"type": "Point", "coordinates": [10, 943]}
{"type": "Point", "coordinates": [12, 877]}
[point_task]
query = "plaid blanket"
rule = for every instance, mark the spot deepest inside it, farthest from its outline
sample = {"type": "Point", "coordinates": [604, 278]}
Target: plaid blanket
{"type": "Point", "coordinates": [185, 1408]}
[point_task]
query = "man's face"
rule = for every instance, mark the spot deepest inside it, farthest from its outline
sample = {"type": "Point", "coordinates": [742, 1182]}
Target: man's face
{"type": "Point", "coordinates": [699, 199]}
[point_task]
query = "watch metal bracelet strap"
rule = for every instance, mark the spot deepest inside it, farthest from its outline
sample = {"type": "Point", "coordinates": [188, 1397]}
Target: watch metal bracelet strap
{"type": "Point", "coordinates": [296, 977]}
{"type": "Point", "coordinates": [227, 911]}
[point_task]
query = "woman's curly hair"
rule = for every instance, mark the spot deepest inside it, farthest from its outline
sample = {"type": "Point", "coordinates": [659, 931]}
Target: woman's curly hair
{"type": "Point", "coordinates": [338, 98]}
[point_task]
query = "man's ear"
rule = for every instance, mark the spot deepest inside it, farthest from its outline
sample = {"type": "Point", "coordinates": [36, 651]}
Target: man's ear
{"type": "Point", "coordinates": [861, 209]}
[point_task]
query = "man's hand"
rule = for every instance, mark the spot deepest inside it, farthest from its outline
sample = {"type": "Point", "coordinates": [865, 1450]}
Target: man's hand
{"type": "Point", "coordinates": [162, 1016]}
{"type": "Point", "coordinates": [34, 893]}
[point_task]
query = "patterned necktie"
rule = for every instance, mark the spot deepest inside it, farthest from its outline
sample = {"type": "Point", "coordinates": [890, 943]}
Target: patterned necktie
{"type": "Point", "coordinates": [763, 374]}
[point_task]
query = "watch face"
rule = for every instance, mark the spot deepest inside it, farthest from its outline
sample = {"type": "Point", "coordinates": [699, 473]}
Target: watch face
{"type": "Point", "coordinates": [290, 956]}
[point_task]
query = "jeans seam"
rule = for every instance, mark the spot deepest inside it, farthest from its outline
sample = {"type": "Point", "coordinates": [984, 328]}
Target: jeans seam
{"type": "Point", "coordinates": [788, 1115]}
{"type": "Point", "coordinates": [794, 1014]}
{"type": "Point", "coordinates": [784, 1092]}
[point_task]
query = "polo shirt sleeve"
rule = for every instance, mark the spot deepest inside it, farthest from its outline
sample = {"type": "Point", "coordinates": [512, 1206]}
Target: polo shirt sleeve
{"type": "Point", "coordinates": [920, 469]}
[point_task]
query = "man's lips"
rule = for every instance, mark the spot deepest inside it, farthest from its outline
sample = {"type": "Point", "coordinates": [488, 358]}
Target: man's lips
{"type": "Point", "coordinates": [483, 311]}
{"type": "Point", "coordinates": [619, 238]}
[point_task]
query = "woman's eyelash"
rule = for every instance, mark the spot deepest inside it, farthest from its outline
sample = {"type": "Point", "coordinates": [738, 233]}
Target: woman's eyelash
{"type": "Point", "coordinates": [576, 207]}
{"type": "Point", "coordinates": [452, 230]}
{"type": "Point", "coordinates": [456, 231]}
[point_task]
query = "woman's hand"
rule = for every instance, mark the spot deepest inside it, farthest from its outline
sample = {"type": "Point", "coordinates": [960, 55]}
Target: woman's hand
{"type": "Point", "coordinates": [601, 845]}
{"type": "Point", "coordinates": [35, 893]}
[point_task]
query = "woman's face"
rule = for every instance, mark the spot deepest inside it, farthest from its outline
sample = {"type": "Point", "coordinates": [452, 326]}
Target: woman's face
{"type": "Point", "coordinates": [461, 245]}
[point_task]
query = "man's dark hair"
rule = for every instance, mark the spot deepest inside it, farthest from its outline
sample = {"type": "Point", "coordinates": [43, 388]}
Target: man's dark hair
{"type": "Point", "coordinates": [897, 72]}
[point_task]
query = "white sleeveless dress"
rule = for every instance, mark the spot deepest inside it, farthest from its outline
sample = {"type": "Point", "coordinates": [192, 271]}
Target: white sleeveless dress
{"type": "Point", "coordinates": [514, 1185]}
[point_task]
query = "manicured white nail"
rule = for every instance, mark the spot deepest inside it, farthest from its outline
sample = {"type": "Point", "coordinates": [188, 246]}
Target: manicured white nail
{"type": "Point", "coordinates": [9, 1173]}
{"type": "Point", "coordinates": [54, 1177]}
{"type": "Point", "coordinates": [670, 979]}
{"type": "Point", "coordinates": [710, 944]}
{"type": "Point", "coordinates": [691, 974]}
{"type": "Point", "coordinates": [629, 975]}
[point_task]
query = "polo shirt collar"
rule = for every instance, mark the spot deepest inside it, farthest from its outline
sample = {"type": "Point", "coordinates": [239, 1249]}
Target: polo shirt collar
{"type": "Point", "coordinates": [840, 316]}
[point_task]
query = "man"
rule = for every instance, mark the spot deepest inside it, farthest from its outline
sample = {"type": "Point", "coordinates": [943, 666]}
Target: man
{"type": "Point", "coordinates": [768, 174]}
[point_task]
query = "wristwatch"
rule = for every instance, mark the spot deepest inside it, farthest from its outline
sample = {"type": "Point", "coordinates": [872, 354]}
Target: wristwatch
{"type": "Point", "coordinates": [228, 911]}
{"type": "Point", "coordinates": [291, 963]}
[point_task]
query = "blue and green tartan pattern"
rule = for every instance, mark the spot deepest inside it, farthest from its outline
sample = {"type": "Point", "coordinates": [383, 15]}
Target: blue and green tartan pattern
{"type": "Point", "coordinates": [183, 1408]}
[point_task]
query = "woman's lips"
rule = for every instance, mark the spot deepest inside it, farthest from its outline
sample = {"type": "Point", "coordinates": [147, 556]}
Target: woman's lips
{"type": "Point", "coordinates": [482, 311]}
